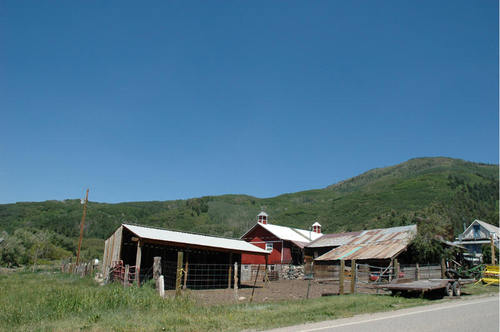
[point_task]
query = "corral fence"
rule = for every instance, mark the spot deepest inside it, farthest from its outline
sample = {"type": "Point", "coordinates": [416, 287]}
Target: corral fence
{"type": "Point", "coordinates": [355, 277]}
{"type": "Point", "coordinates": [274, 272]}
{"type": "Point", "coordinates": [81, 269]}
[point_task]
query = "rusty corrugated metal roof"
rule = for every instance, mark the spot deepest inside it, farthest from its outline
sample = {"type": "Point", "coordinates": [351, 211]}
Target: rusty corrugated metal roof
{"type": "Point", "coordinates": [333, 240]}
{"type": "Point", "coordinates": [373, 244]}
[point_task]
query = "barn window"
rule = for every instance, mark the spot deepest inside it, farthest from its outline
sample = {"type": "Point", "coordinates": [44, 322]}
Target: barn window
{"type": "Point", "coordinates": [269, 246]}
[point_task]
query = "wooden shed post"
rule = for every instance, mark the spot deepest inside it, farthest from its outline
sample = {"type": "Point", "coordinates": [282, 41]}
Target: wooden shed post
{"type": "Point", "coordinates": [391, 270]}
{"type": "Point", "coordinates": [180, 256]}
{"type": "Point", "coordinates": [341, 277]}
{"type": "Point", "coordinates": [443, 268]}
{"type": "Point", "coordinates": [353, 276]}
{"type": "Point", "coordinates": [230, 270]}
{"type": "Point", "coordinates": [138, 257]}
{"type": "Point", "coordinates": [186, 269]}
{"type": "Point", "coordinates": [396, 268]}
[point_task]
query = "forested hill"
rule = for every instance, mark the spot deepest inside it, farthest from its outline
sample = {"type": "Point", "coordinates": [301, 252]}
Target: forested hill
{"type": "Point", "coordinates": [452, 191]}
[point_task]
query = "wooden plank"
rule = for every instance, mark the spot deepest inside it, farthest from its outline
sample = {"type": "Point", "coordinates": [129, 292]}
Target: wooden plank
{"type": "Point", "coordinates": [105, 259]}
{"type": "Point", "coordinates": [117, 244]}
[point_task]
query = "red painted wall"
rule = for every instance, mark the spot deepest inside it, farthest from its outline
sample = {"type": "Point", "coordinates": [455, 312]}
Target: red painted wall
{"type": "Point", "coordinates": [258, 236]}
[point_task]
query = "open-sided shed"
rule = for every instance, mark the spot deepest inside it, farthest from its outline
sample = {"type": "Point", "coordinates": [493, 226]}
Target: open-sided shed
{"type": "Point", "coordinates": [376, 245]}
{"type": "Point", "coordinates": [207, 260]}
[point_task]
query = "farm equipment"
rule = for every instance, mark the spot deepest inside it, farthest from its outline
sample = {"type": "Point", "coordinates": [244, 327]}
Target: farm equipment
{"type": "Point", "coordinates": [490, 275]}
{"type": "Point", "coordinates": [464, 272]}
{"type": "Point", "coordinates": [447, 287]}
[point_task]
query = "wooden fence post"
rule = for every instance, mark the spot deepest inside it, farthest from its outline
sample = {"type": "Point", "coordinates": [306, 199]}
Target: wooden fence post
{"type": "Point", "coordinates": [443, 268]}
{"type": "Point", "coordinates": [180, 257]}
{"type": "Point", "coordinates": [125, 278]}
{"type": "Point", "coordinates": [341, 277]}
{"type": "Point", "coordinates": [138, 257]}
{"type": "Point", "coordinates": [266, 275]}
{"type": "Point", "coordinates": [186, 269]}
{"type": "Point", "coordinates": [353, 276]}
{"type": "Point", "coordinates": [236, 281]}
{"type": "Point", "coordinates": [156, 267]}
{"type": "Point", "coordinates": [417, 271]}
{"type": "Point", "coordinates": [396, 269]}
{"type": "Point", "coordinates": [156, 270]}
{"type": "Point", "coordinates": [230, 271]}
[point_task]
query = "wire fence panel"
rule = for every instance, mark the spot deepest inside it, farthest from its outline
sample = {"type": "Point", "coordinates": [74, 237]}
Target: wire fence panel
{"type": "Point", "coordinates": [205, 276]}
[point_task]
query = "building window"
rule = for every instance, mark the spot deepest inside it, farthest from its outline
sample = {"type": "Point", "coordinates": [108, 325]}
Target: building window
{"type": "Point", "coordinates": [476, 229]}
{"type": "Point", "coordinates": [269, 246]}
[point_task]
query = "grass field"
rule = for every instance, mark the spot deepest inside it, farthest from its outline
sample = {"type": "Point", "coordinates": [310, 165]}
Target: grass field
{"type": "Point", "coordinates": [51, 301]}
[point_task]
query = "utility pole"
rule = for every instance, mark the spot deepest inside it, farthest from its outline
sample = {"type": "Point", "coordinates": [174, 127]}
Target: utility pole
{"type": "Point", "coordinates": [81, 226]}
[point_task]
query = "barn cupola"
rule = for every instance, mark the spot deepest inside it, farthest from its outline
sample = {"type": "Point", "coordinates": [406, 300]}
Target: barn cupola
{"type": "Point", "coordinates": [262, 218]}
{"type": "Point", "coordinates": [316, 227]}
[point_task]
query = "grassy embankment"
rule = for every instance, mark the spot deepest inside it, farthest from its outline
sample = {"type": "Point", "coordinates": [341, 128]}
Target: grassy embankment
{"type": "Point", "coordinates": [51, 301]}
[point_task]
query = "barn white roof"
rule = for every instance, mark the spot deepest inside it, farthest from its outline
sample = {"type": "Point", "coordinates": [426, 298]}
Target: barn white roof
{"type": "Point", "coordinates": [288, 233]}
{"type": "Point", "coordinates": [194, 239]}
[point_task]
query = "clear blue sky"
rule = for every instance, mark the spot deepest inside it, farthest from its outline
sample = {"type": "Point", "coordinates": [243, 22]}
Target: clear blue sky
{"type": "Point", "coordinates": [175, 99]}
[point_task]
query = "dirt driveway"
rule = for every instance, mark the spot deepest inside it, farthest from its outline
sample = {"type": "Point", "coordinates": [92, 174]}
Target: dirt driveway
{"type": "Point", "coordinates": [272, 291]}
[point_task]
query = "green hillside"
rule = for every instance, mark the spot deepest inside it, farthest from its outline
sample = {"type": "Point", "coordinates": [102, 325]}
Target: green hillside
{"type": "Point", "coordinates": [451, 190]}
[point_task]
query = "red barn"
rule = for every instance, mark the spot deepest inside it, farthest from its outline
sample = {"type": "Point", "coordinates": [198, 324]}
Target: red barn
{"type": "Point", "coordinates": [286, 244]}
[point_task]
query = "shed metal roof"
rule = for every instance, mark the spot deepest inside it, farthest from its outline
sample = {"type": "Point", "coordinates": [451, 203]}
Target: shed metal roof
{"type": "Point", "coordinates": [373, 244]}
{"type": "Point", "coordinates": [333, 240]}
{"type": "Point", "coordinates": [194, 239]}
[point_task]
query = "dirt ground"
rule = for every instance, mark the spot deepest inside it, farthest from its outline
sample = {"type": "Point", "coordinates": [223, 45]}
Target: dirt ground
{"type": "Point", "coordinates": [273, 291]}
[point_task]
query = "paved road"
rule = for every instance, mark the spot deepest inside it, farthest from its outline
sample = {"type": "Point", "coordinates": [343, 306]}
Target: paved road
{"type": "Point", "coordinates": [480, 314]}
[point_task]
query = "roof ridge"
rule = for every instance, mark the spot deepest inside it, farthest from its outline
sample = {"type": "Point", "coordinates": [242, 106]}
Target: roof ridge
{"type": "Point", "coordinates": [296, 230]}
